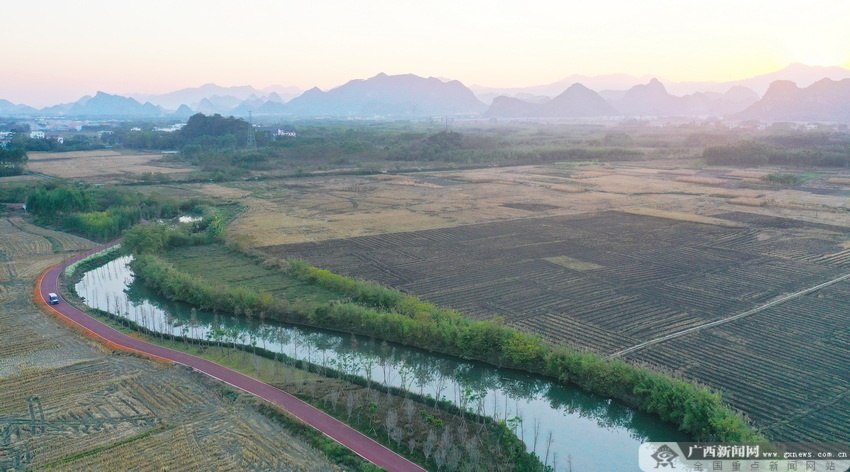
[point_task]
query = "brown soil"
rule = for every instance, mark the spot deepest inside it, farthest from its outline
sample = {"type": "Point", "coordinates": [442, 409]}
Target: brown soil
{"type": "Point", "coordinates": [64, 398]}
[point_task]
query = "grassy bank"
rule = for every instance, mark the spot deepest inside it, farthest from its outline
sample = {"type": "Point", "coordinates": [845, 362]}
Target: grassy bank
{"type": "Point", "coordinates": [369, 309]}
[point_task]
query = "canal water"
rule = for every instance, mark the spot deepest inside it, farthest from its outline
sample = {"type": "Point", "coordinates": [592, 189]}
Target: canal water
{"type": "Point", "coordinates": [591, 432]}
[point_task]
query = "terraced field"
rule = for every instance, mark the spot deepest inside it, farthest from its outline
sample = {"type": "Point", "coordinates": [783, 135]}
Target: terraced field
{"type": "Point", "coordinates": [608, 281]}
{"type": "Point", "coordinates": [67, 404]}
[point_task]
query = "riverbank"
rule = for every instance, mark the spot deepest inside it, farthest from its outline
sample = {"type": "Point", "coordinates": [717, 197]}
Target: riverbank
{"type": "Point", "coordinates": [388, 314]}
{"type": "Point", "coordinates": [383, 413]}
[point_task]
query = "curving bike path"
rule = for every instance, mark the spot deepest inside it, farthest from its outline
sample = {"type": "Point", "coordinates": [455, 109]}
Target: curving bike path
{"type": "Point", "coordinates": [330, 426]}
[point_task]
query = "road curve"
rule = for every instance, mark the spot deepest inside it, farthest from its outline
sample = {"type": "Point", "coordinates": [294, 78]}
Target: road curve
{"type": "Point", "coordinates": [330, 426]}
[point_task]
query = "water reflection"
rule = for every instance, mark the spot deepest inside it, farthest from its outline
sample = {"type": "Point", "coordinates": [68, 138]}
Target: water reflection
{"type": "Point", "coordinates": [589, 429]}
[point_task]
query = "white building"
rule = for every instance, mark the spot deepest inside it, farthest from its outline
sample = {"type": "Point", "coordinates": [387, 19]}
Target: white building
{"type": "Point", "coordinates": [37, 135]}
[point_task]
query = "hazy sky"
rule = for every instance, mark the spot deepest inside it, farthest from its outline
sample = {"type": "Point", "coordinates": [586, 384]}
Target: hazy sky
{"type": "Point", "coordinates": [58, 50]}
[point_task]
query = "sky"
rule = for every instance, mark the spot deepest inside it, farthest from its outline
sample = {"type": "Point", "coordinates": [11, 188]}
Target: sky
{"type": "Point", "coordinates": [59, 50]}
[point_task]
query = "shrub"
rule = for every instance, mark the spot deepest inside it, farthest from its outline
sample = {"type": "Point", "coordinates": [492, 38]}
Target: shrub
{"type": "Point", "coordinates": [782, 179]}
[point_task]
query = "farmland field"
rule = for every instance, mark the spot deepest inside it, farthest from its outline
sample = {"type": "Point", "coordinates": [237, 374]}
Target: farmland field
{"type": "Point", "coordinates": [69, 404]}
{"type": "Point", "coordinates": [542, 246]}
{"type": "Point", "coordinates": [99, 166]}
{"type": "Point", "coordinates": [283, 211]}
{"type": "Point", "coordinates": [242, 271]}
{"type": "Point", "coordinates": [605, 281]}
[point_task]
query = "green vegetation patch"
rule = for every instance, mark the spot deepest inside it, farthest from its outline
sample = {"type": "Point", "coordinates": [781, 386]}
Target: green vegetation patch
{"type": "Point", "coordinates": [574, 264]}
{"type": "Point", "coordinates": [219, 264]}
{"type": "Point", "coordinates": [782, 179]}
{"type": "Point", "coordinates": [101, 213]}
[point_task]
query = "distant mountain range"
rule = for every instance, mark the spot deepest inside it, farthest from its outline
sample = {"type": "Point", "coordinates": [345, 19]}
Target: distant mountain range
{"type": "Point", "coordinates": [10, 109]}
{"type": "Point", "coordinates": [650, 99]}
{"type": "Point", "coordinates": [189, 96]}
{"type": "Point", "coordinates": [801, 74]}
{"type": "Point", "coordinates": [412, 96]}
{"type": "Point", "coordinates": [575, 101]}
{"type": "Point", "coordinates": [397, 95]}
{"type": "Point", "coordinates": [824, 100]}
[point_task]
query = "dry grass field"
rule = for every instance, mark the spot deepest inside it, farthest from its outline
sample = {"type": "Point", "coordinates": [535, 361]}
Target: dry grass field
{"type": "Point", "coordinates": [103, 166]}
{"type": "Point", "coordinates": [68, 404]}
{"type": "Point", "coordinates": [313, 209]}
{"type": "Point", "coordinates": [289, 210]}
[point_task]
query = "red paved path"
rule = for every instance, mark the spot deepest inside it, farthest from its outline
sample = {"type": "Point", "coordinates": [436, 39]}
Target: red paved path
{"type": "Point", "coordinates": [333, 428]}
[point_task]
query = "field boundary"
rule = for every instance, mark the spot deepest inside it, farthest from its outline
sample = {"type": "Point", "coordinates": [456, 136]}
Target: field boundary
{"type": "Point", "coordinates": [712, 324]}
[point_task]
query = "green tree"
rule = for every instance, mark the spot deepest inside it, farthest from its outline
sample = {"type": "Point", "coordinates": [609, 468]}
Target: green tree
{"type": "Point", "coordinates": [216, 229]}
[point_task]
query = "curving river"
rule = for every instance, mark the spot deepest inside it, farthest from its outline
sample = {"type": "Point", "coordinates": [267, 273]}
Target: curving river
{"type": "Point", "coordinates": [588, 432]}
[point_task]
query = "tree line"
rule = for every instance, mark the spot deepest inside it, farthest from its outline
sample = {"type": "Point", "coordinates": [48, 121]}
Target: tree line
{"type": "Point", "coordinates": [12, 161]}
{"type": "Point", "coordinates": [756, 153]}
{"type": "Point", "coordinates": [102, 212]}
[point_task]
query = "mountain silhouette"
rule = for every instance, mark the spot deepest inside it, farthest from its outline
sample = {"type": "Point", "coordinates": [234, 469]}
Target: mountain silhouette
{"type": "Point", "coordinates": [104, 104]}
{"type": "Point", "coordinates": [824, 100]}
{"type": "Point", "coordinates": [389, 95]}
{"type": "Point", "coordinates": [575, 101]}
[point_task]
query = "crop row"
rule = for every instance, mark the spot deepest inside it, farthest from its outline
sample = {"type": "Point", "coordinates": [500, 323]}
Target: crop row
{"type": "Point", "coordinates": [15, 348]}
{"type": "Point", "coordinates": [686, 258]}
{"type": "Point", "coordinates": [765, 392]}
{"type": "Point", "coordinates": [159, 398]}
{"type": "Point", "coordinates": [776, 364]}
{"type": "Point", "coordinates": [58, 383]}
{"type": "Point", "coordinates": [166, 450]}
{"type": "Point", "coordinates": [481, 276]}
{"type": "Point", "coordinates": [561, 328]}
{"type": "Point", "coordinates": [841, 258]}
{"type": "Point", "coordinates": [18, 243]}
{"type": "Point", "coordinates": [64, 241]}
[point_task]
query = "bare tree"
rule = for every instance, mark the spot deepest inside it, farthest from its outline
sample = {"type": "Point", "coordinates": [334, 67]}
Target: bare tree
{"type": "Point", "coordinates": [397, 436]}
{"type": "Point", "coordinates": [349, 405]}
{"type": "Point", "coordinates": [441, 457]}
{"type": "Point", "coordinates": [536, 433]}
{"type": "Point", "coordinates": [453, 458]}
{"type": "Point", "coordinates": [334, 398]}
{"type": "Point", "coordinates": [521, 425]}
{"type": "Point", "coordinates": [548, 446]}
{"type": "Point", "coordinates": [440, 386]}
{"type": "Point", "coordinates": [462, 432]}
{"type": "Point", "coordinates": [430, 444]}
{"type": "Point", "coordinates": [391, 425]}
{"type": "Point", "coordinates": [409, 409]}
{"type": "Point", "coordinates": [263, 328]}
{"type": "Point", "coordinates": [474, 455]}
